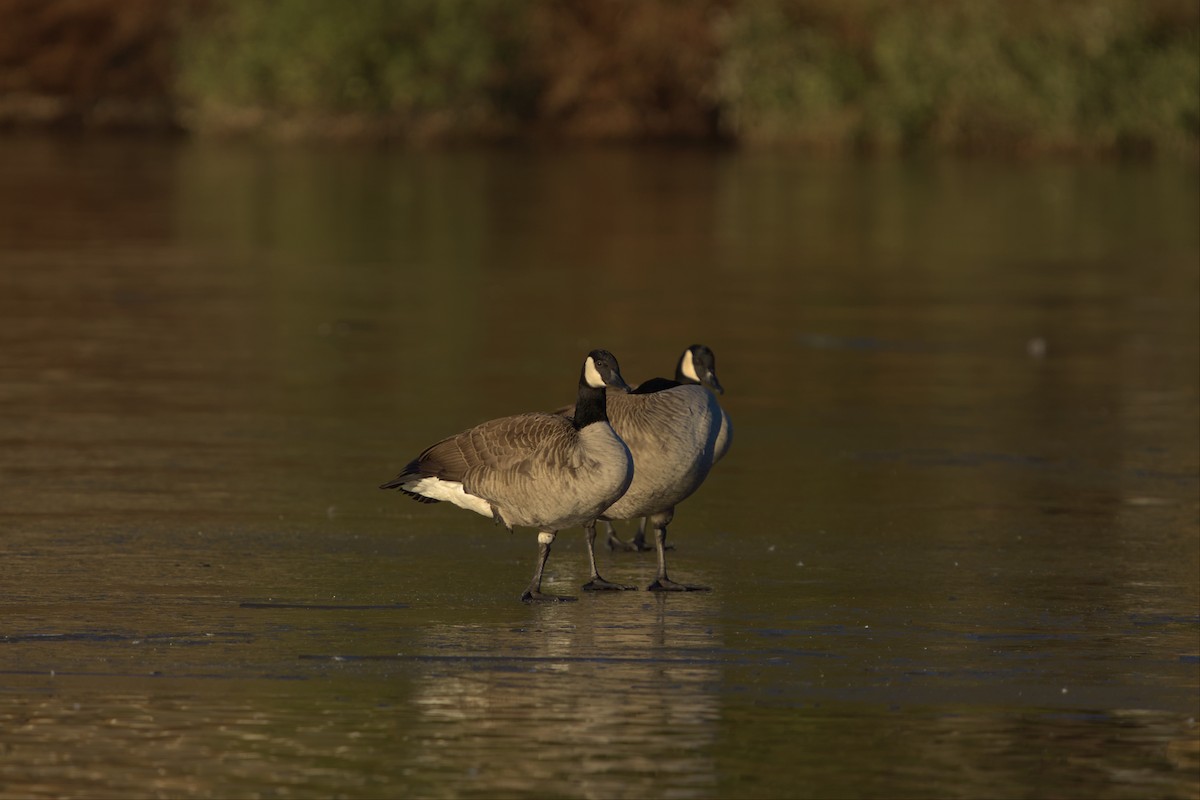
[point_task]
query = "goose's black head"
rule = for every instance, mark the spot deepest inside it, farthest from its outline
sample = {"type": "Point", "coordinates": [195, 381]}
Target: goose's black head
{"type": "Point", "coordinates": [699, 365]}
{"type": "Point", "coordinates": [600, 369]}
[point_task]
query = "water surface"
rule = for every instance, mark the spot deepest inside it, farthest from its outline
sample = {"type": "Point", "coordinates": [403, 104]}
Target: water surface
{"type": "Point", "coordinates": [954, 549]}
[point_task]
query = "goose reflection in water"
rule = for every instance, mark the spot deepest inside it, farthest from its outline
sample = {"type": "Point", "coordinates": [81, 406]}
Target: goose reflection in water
{"type": "Point", "coordinates": [607, 710]}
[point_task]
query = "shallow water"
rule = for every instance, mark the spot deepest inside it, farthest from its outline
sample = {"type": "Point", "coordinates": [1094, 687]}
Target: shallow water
{"type": "Point", "coordinates": [954, 550]}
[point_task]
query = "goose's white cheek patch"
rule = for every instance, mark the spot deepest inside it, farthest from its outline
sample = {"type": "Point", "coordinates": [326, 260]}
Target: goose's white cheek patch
{"type": "Point", "coordinates": [591, 374]}
{"type": "Point", "coordinates": [689, 367]}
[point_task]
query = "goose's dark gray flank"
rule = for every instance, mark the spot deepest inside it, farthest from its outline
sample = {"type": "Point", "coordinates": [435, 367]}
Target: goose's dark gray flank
{"type": "Point", "coordinates": [672, 429]}
{"type": "Point", "coordinates": [543, 471]}
{"type": "Point", "coordinates": [696, 365]}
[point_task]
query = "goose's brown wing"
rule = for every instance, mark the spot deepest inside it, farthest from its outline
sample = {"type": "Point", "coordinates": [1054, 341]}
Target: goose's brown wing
{"type": "Point", "coordinates": [513, 450]}
{"type": "Point", "coordinates": [496, 447]}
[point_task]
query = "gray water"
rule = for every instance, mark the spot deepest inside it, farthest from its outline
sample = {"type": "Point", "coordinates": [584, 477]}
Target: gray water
{"type": "Point", "coordinates": [954, 550]}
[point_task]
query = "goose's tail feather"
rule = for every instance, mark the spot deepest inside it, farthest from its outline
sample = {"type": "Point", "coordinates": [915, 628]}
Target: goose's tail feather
{"type": "Point", "coordinates": [409, 474]}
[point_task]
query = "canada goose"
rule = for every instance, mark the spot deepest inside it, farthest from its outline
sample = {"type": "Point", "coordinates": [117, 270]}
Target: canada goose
{"type": "Point", "coordinates": [671, 429]}
{"type": "Point", "coordinates": [697, 365]}
{"type": "Point", "coordinates": [538, 470]}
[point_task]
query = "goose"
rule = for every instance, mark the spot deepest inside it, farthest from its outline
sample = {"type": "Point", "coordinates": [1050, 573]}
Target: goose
{"type": "Point", "coordinates": [671, 429]}
{"type": "Point", "coordinates": [697, 365]}
{"type": "Point", "coordinates": [537, 470]}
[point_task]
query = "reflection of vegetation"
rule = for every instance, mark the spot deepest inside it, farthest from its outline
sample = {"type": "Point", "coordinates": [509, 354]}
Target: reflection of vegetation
{"type": "Point", "coordinates": [1094, 75]}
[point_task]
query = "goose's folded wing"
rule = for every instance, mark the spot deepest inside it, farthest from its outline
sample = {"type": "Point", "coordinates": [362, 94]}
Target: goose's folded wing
{"type": "Point", "coordinates": [514, 449]}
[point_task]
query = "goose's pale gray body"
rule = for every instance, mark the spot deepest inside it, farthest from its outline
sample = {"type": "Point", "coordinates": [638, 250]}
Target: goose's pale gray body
{"type": "Point", "coordinates": [696, 367]}
{"type": "Point", "coordinates": [724, 436]}
{"type": "Point", "coordinates": [672, 435]}
{"type": "Point", "coordinates": [675, 430]}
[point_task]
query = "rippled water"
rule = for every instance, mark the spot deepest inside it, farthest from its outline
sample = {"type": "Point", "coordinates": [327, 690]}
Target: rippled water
{"type": "Point", "coordinates": [955, 549]}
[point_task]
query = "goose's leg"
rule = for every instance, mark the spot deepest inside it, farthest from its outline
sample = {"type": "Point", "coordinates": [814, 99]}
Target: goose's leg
{"type": "Point", "coordinates": [597, 583]}
{"type": "Point", "coordinates": [663, 583]}
{"type": "Point", "coordinates": [638, 544]}
{"type": "Point", "coordinates": [639, 538]}
{"type": "Point", "coordinates": [614, 542]}
{"type": "Point", "coordinates": [534, 592]}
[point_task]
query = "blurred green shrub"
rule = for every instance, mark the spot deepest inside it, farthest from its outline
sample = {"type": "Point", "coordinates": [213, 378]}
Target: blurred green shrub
{"type": "Point", "coordinates": [975, 75]}
{"type": "Point", "coordinates": [418, 67]}
{"type": "Point", "coordinates": [969, 75]}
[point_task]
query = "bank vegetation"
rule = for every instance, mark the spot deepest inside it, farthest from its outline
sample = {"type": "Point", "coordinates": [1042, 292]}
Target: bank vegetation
{"type": "Point", "coordinates": [1010, 76]}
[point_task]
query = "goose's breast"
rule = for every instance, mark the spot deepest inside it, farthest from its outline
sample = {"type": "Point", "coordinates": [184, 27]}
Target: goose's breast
{"type": "Point", "coordinates": [671, 435]}
{"type": "Point", "coordinates": [605, 463]}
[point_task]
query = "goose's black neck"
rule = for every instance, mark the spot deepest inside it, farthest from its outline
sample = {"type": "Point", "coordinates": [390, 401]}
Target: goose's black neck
{"type": "Point", "coordinates": [590, 406]}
